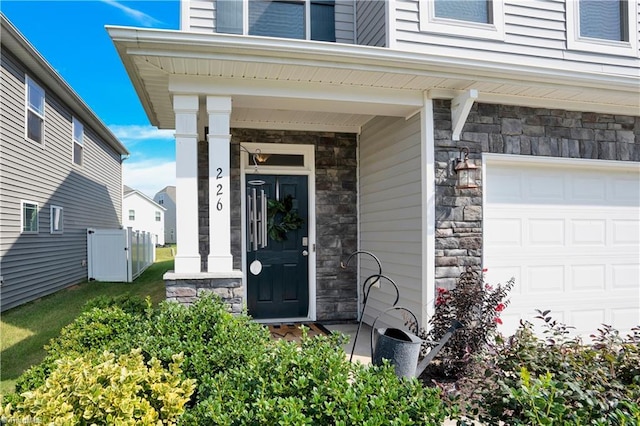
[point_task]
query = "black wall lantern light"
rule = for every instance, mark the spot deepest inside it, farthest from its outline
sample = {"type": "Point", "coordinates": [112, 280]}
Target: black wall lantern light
{"type": "Point", "coordinates": [466, 172]}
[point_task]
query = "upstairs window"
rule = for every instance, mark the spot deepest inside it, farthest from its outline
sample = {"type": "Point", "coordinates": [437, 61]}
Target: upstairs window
{"type": "Point", "coordinates": [604, 19]}
{"type": "Point", "coordinates": [29, 217]}
{"type": "Point", "coordinates": [158, 217]}
{"type": "Point", "coordinates": [35, 112]}
{"type": "Point", "coordinates": [465, 18]}
{"type": "Point", "coordinates": [603, 26]}
{"type": "Point", "coordinates": [78, 141]}
{"type": "Point", "coordinates": [464, 10]}
{"type": "Point", "coordinates": [299, 19]}
{"type": "Point", "coordinates": [132, 215]}
{"type": "Point", "coordinates": [57, 220]}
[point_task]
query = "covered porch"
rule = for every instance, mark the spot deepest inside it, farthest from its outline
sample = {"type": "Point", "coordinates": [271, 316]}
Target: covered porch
{"type": "Point", "coordinates": [229, 97]}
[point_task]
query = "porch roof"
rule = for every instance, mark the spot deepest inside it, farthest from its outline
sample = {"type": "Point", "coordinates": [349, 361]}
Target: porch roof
{"type": "Point", "coordinates": [308, 85]}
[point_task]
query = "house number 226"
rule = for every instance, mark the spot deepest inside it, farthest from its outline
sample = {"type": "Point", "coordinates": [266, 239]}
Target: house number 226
{"type": "Point", "coordinates": [219, 192]}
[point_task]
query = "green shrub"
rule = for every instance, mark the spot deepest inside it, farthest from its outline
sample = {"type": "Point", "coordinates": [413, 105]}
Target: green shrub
{"type": "Point", "coordinates": [243, 378]}
{"type": "Point", "coordinates": [314, 383]}
{"type": "Point", "coordinates": [211, 338]}
{"type": "Point", "coordinates": [558, 379]}
{"type": "Point", "coordinates": [94, 330]}
{"type": "Point", "coordinates": [106, 390]}
{"type": "Point", "coordinates": [131, 304]}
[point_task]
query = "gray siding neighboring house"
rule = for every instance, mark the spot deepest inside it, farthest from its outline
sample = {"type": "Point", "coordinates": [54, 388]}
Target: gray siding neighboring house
{"type": "Point", "coordinates": [166, 197]}
{"type": "Point", "coordinates": [49, 253]}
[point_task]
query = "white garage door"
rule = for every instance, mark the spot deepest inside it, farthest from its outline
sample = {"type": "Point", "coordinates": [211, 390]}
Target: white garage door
{"type": "Point", "coordinates": [568, 231]}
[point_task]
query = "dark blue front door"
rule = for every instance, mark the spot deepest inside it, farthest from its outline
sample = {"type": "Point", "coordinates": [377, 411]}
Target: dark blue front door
{"type": "Point", "coordinates": [281, 289]}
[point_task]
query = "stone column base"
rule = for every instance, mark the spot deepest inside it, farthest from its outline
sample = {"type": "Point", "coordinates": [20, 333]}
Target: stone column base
{"type": "Point", "coordinates": [187, 288]}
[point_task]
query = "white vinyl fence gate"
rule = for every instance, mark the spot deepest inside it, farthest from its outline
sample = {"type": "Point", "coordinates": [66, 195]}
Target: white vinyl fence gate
{"type": "Point", "coordinates": [118, 255]}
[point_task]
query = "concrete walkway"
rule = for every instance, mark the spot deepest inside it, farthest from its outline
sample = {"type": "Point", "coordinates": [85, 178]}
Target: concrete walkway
{"type": "Point", "coordinates": [363, 344]}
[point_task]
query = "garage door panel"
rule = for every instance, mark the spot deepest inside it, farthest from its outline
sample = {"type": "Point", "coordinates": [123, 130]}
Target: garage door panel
{"type": "Point", "coordinates": [570, 235]}
{"type": "Point", "coordinates": [588, 232]}
{"type": "Point", "coordinates": [547, 232]}
{"type": "Point", "coordinates": [588, 277]}
{"type": "Point", "coordinates": [625, 316]}
{"type": "Point", "coordinates": [626, 232]}
{"type": "Point", "coordinates": [626, 276]}
{"type": "Point", "coordinates": [545, 279]}
{"type": "Point", "coordinates": [589, 319]}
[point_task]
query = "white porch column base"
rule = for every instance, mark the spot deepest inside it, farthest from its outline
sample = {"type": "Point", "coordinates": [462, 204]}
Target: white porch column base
{"type": "Point", "coordinates": [188, 256]}
{"type": "Point", "coordinates": [187, 264]}
{"type": "Point", "coordinates": [219, 137]}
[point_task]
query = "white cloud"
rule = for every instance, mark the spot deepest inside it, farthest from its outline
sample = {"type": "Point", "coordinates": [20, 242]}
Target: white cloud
{"type": "Point", "coordinates": [140, 17]}
{"type": "Point", "coordinates": [130, 134]}
{"type": "Point", "coordinates": [149, 176]}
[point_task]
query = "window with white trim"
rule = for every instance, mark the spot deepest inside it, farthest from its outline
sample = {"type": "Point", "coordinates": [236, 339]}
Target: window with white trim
{"type": "Point", "coordinates": [468, 18]}
{"type": "Point", "coordinates": [34, 112]}
{"type": "Point", "coordinates": [29, 218]}
{"type": "Point", "coordinates": [603, 26]}
{"type": "Point", "coordinates": [57, 220]}
{"type": "Point", "coordinates": [78, 141]}
{"type": "Point", "coordinates": [158, 216]}
{"type": "Point", "coordinates": [300, 19]}
{"type": "Point", "coordinates": [132, 215]}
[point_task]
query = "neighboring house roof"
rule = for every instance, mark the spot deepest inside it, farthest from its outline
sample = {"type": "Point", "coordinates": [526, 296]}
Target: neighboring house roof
{"type": "Point", "coordinates": [15, 42]}
{"type": "Point", "coordinates": [169, 190]}
{"type": "Point", "coordinates": [132, 191]}
{"type": "Point", "coordinates": [339, 87]}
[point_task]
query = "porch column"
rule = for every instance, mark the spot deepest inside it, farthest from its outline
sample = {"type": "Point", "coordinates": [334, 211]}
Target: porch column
{"type": "Point", "coordinates": [187, 258]}
{"type": "Point", "coordinates": [219, 137]}
{"type": "Point", "coordinates": [427, 144]}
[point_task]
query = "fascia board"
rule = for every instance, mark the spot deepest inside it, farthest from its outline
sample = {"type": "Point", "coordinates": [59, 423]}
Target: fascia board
{"type": "Point", "coordinates": [302, 52]}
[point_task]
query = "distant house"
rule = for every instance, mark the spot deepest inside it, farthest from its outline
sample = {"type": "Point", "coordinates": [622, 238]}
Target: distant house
{"type": "Point", "coordinates": [143, 214]}
{"type": "Point", "coordinates": [351, 116]}
{"type": "Point", "coordinates": [60, 173]}
{"type": "Point", "coordinates": [167, 199]}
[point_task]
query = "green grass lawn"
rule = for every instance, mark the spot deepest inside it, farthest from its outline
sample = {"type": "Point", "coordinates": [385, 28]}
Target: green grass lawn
{"type": "Point", "coordinates": [25, 330]}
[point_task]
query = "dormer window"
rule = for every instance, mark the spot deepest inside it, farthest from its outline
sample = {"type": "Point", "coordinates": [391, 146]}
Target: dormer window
{"type": "Point", "coordinates": [299, 19]}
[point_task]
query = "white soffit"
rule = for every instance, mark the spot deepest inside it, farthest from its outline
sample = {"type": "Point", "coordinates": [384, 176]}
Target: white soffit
{"type": "Point", "coordinates": [310, 85]}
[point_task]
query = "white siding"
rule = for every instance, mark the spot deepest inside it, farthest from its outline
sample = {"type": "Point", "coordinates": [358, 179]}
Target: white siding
{"type": "Point", "coordinates": [534, 34]}
{"type": "Point", "coordinates": [390, 212]}
{"type": "Point", "coordinates": [145, 216]}
{"type": "Point", "coordinates": [371, 22]}
{"type": "Point", "coordinates": [201, 16]}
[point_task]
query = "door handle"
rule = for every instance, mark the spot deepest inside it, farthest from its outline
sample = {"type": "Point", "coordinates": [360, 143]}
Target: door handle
{"type": "Point", "coordinates": [305, 253]}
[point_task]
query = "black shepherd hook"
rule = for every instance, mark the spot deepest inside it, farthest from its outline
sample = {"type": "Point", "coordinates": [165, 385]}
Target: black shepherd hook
{"type": "Point", "coordinates": [344, 265]}
{"type": "Point", "coordinates": [371, 280]}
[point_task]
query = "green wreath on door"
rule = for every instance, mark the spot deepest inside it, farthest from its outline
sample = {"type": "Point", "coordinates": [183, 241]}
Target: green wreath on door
{"type": "Point", "coordinates": [281, 218]}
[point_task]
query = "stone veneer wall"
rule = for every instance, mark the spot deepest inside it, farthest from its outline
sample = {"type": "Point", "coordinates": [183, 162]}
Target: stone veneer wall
{"type": "Point", "coordinates": [186, 291]}
{"type": "Point", "coordinates": [511, 130]}
{"type": "Point", "coordinates": [336, 211]}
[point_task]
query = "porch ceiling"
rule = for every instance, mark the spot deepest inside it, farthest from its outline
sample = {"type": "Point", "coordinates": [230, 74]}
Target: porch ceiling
{"type": "Point", "coordinates": [302, 85]}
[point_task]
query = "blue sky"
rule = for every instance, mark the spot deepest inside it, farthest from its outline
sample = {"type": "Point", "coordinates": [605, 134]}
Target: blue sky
{"type": "Point", "coordinates": [71, 36]}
